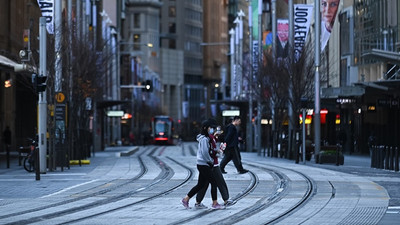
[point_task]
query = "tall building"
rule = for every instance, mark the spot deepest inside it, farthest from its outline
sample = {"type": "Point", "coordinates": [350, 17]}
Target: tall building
{"type": "Point", "coordinates": [19, 19]}
{"type": "Point", "coordinates": [140, 61]}
{"type": "Point", "coordinates": [172, 62]}
{"type": "Point", "coordinates": [182, 30]}
{"type": "Point", "coordinates": [365, 90]}
{"type": "Point", "coordinates": [215, 52]}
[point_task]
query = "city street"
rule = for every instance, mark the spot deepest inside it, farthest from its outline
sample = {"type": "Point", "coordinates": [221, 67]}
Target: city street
{"type": "Point", "coordinates": [145, 185]}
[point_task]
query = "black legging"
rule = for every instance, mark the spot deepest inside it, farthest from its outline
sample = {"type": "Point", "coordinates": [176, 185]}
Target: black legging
{"type": "Point", "coordinates": [234, 155]}
{"type": "Point", "coordinates": [205, 177]}
{"type": "Point", "coordinates": [221, 184]}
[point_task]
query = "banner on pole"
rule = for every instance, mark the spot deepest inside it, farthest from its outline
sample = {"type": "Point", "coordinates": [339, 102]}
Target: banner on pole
{"type": "Point", "coordinates": [283, 31]}
{"type": "Point", "coordinates": [47, 8]}
{"type": "Point", "coordinates": [302, 20]}
{"type": "Point", "coordinates": [329, 10]}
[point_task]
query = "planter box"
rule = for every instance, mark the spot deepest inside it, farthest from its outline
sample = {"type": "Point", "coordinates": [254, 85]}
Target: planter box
{"type": "Point", "coordinates": [330, 157]}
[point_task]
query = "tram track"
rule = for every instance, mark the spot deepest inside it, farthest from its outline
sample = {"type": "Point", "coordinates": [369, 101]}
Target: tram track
{"type": "Point", "coordinates": [281, 189]}
{"type": "Point", "coordinates": [169, 190]}
{"type": "Point", "coordinates": [85, 195]}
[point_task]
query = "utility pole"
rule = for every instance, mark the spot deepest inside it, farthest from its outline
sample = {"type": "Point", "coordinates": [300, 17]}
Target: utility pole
{"type": "Point", "coordinates": [232, 54]}
{"type": "Point", "coordinates": [260, 60]}
{"type": "Point", "coordinates": [249, 138]}
{"type": "Point", "coordinates": [42, 137]}
{"type": "Point", "coordinates": [317, 117]}
{"type": "Point", "coordinates": [240, 82]}
{"type": "Point", "coordinates": [291, 131]}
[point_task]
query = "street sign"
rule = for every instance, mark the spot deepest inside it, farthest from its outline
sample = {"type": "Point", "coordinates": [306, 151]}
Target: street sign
{"type": "Point", "coordinates": [60, 97]}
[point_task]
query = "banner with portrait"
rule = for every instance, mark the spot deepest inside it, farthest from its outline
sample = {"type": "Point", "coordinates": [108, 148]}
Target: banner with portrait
{"type": "Point", "coordinates": [329, 10]}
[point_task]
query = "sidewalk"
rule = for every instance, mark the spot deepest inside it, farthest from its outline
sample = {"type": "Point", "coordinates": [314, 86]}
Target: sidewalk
{"type": "Point", "coordinates": [109, 164]}
{"type": "Point", "coordinates": [360, 165]}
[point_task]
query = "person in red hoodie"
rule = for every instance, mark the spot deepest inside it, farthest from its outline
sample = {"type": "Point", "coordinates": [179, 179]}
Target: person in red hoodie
{"type": "Point", "coordinates": [216, 171]}
{"type": "Point", "coordinates": [204, 166]}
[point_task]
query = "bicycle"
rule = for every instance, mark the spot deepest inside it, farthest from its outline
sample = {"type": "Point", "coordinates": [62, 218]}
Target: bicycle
{"type": "Point", "coordinates": [29, 159]}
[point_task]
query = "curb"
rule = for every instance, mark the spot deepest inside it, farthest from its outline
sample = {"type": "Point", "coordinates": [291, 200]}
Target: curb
{"type": "Point", "coordinates": [129, 153]}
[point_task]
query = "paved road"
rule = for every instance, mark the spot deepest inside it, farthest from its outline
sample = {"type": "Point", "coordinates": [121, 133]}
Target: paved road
{"type": "Point", "coordinates": [144, 185]}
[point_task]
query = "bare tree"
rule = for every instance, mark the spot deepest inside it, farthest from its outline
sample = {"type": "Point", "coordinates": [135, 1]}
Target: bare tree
{"type": "Point", "coordinates": [84, 69]}
{"type": "Point", "coordinates": [277, 75]}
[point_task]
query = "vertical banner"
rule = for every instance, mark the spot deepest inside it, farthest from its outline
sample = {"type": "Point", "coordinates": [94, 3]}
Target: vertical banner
{"type": "Point", "coordinates": [255, 56]}
{"type": "Point", "coordinates": [329, 10]}
{"type": "Point", "coordinates": [267, 40]}
{"type": "Point", "coordinates": [302, 19]}
{"type": "Point", "coordinates": [47, 9]}
{"type": "Point", "coordinates": [283, 31]}
{"type": "Point", "coordinates": [254, 4]}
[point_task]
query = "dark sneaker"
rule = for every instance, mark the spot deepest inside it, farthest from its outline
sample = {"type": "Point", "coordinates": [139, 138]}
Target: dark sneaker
{"type": "Point", "coordinates": [217, 206]}
{"type": "Point", "coordinates": [200, 206]}
{"type": "Point", "coordinates": [223, 171]}
{"type": "Point", "coordinates": [185, 203]}
{"type": "Point", "coordinates": [229, 203]}
{"type": "Point", "coordinates": [243, 171]}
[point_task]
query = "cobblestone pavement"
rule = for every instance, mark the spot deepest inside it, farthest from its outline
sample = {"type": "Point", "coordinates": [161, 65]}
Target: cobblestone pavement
{"type": "Point", "coordinates": [144, 185]}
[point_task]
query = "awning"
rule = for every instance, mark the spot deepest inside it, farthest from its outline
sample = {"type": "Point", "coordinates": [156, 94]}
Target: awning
{"type": "Point", "coordinates": [382, 55]}
{"type": "Point", "coordinates": [110, 103]}
{"type": "Point", "coordinates": [348, 91]}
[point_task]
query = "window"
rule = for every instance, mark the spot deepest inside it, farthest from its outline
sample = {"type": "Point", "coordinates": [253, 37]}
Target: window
{"type": "Point", "coordinates": [172, 44]}
{"type": "Point", "coordinates": [172, 28]}
{"type": "Point", "coordinates": [172, 11]}
{"type": "Point", "coordinates": [136, 20]}
{"type": "Point", "coordinates": [136, 41]}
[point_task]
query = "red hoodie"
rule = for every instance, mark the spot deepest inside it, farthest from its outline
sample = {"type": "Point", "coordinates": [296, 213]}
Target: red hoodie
{"type": "Point", "coordinates": [213, 150]}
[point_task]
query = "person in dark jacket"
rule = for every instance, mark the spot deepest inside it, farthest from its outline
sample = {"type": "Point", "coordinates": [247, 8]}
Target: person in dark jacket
{"type": "Point", "coordinates": [232, 150]}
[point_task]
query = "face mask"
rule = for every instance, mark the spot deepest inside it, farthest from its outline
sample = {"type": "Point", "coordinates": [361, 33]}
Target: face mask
{"type": "Point", "coordinates": [211, 131]}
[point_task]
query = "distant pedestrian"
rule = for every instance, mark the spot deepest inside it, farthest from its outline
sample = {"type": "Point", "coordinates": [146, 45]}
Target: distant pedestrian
{"type": "Point", "coordinates": [219, 178]}
{"type": "Point", "coordinates": [204, 166]}
{"type": "Point", "coordinates": [371, 142]}
{"type": "Point", "coordinates": [232, 147]}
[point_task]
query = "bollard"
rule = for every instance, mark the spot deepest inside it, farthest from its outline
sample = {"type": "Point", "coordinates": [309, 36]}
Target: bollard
{"type": "Point", "coordinates": [381, 157]}
{"type": "Point", "coordinates": [8, 156]}
{"type": "Point", "coordinates": [372, 156]}
{"type": "Point", "coordinates": [378, 157]}
{"type": "Point", "coordinates": [337, 154]}
{"type": "Point", "coordinates": [396, 159]}
{"type": "Point", "coordinates": [391, 161]}
{"type": "Point", "coordinates": [37, 164]}
{"type": "Point", "coordinates": [386, 157]}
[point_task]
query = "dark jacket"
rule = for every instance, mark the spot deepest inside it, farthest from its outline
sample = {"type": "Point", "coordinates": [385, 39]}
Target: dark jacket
{"type": "Point", "coordinates": [231, 136]}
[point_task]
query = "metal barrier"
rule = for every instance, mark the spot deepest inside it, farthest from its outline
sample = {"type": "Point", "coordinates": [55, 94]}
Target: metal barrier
{"type": "Point", "coordinates": [385, 157]}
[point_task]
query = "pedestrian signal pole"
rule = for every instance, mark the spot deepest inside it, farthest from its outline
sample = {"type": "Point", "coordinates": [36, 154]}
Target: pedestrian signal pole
{"type": "Point", "coordinates": [41, 88]}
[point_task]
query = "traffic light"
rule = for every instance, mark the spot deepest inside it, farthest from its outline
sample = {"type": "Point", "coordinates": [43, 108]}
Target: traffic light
{"type": "Point", "coordinates": [148, 86]}
{"type": "Point", "coordinates": [39, 83]}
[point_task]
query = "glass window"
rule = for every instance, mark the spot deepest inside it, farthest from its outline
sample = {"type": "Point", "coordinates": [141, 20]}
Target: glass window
{"type": "Point", "coordinates": [136, 20]}
{"type": "Point", "coordinates": [172, 11]}
{"type": "Point", "coordinates": [136, 41]}
{"type": "Point", "coordinates": [172, 28]}
{"type": "Point", "coordinates": [172, 44]}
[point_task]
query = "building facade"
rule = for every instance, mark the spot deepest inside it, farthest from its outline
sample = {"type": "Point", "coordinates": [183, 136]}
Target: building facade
{"type": "Point", "coordinates": [17, 96]}
{"type": "Point", "coordinates": [182, 30]}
